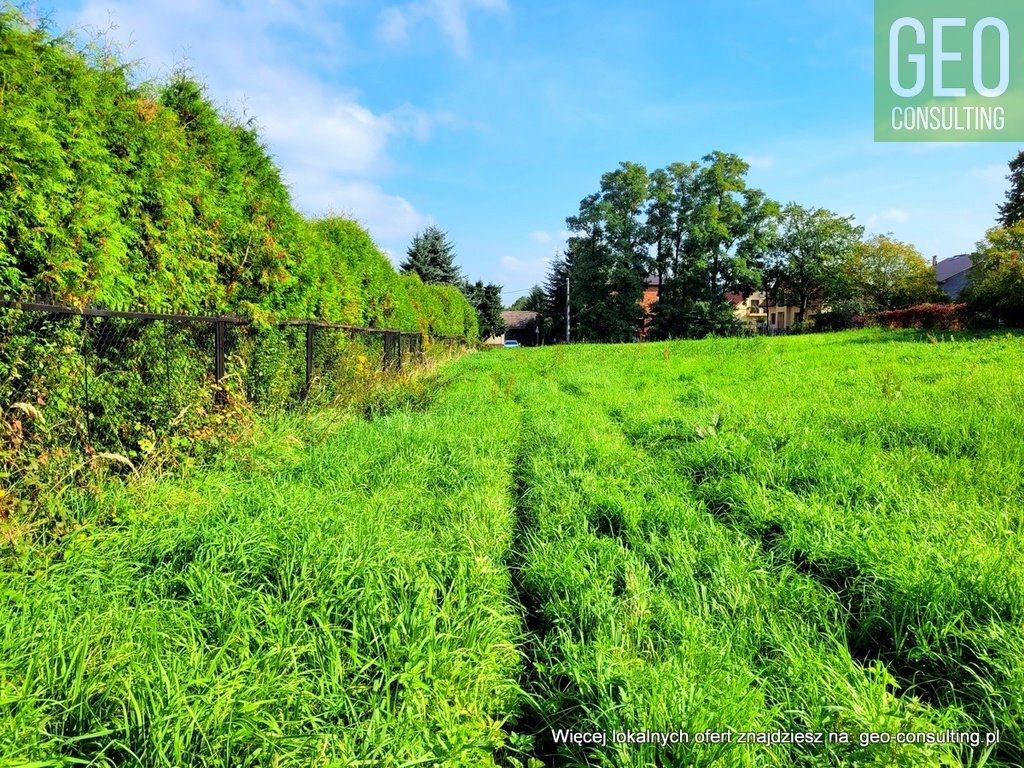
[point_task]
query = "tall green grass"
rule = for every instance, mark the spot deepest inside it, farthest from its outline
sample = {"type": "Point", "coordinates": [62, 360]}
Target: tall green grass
{"type": "Point", "coordinates": [803, 534]}
{"type": "Point", "coordinates": [882, 470]}
{"type": "Point", "coordinates": [650, 615]}
{"type": "Point", "coordinates": [339, 602]}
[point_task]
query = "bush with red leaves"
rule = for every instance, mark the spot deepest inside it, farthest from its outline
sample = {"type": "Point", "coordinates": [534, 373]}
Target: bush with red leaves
{"type": "Point", "coordinates": [940, 317]}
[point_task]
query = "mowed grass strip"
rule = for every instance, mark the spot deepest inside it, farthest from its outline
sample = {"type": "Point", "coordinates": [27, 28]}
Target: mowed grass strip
{"type": "Point", "coordinates": [340, 602]}
{"type": "Point", "coordinates": [650, 615]}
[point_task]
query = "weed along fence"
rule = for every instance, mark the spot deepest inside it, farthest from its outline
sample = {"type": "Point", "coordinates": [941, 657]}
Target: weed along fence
{"type": "Point", "coordinates": [113, 382]}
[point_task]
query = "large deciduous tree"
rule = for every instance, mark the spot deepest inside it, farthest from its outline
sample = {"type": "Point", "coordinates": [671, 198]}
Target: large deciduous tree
{"type": "Point", "coordinates": [609, 247]}
{"type": "Point", "coordinates": [432, 257]}
{"type": "Point", "coordinates": [808, 262]}
{"type": "Point", "coordinates": [697, 227]}
{"type": "Point", "coordinates": [888, 274]}
{"type": "Point", "coordinates": [997, 277]}
{"type": "Point", "coordinates": [713, 231]}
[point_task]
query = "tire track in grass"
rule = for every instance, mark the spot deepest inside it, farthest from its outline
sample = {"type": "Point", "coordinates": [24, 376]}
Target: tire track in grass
{"type": "Point", "coordinates": [558, 470]}
{"type": "Point", "coordinates": [956, 648]}
{"type": "Point", "coordinates": [976, 654]}
{"type": "Point", "coordinates": [530, 722]}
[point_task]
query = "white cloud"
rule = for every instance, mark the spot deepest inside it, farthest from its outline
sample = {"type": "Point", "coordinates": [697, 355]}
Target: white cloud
{"type": "Point", "coordinates": [250, 54]}
{"type": "Point", "coordinates": [760, 162]}
{"type": "Point", "coordinates": [394, 22]}
{"type": "Point", "coordinates": [518, 275]}
{"type": "Point", "coordinates": [543, 237]}
{"type": "Point", "coordinates": [389, 218]}
{"type": "Point", "coordinates": [892, 215]}
{"type": "Point", "coordinates": [393, 26]}
{"type": "Point", "coordinates": [220, 36]}
{"type": "Point", "coordinates": [520, 266]}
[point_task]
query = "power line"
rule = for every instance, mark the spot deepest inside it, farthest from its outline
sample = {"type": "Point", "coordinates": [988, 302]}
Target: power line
{"type": "Point", "coordinates": [516, 293]}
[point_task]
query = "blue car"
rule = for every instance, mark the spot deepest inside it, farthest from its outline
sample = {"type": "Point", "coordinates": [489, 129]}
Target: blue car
{"type": "Point", "coordinates": [512, 343]}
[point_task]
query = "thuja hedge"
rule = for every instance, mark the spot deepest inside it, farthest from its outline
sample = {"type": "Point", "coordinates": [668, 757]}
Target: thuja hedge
{"type": "Point", "coordinates": [145, 197]}
{"type": "Point", "coordinates": [131, 196]}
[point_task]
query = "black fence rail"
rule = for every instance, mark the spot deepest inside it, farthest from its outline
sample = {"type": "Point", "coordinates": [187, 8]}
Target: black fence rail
{"type": "Point", "coordinates": [113, 382]}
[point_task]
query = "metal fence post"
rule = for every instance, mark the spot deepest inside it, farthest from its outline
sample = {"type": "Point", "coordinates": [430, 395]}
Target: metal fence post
{"type": "Point", "coordinates": [167, 369]}
{"type": "Point", "coordinates": [218, 360]}
{"type": "Point", "coordinates": [86, 347]}
{"type": "Point", "coordinates": [392, 350]}
{"type": "Point", "coordinates": [310, 328]}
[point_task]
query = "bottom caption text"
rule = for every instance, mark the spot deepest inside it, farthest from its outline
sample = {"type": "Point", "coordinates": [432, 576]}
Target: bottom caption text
{"type": "Point", "coordinates": [867, 738]}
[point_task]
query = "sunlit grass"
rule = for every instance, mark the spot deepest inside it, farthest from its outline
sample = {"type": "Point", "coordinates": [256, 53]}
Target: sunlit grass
{"type": "Point", "coordinates": [840, 514]}
{"type": "Point", "coordinates": [803, 534]}
{"type": "Point", "coordinates": [312, 601]}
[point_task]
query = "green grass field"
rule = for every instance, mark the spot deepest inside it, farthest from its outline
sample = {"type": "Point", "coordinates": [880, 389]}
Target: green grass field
{"type": "Point", "coordinates": [713, 542]}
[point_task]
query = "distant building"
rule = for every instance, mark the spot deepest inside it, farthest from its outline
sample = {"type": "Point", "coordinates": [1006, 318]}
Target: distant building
{"type": "Point", "coordinates": [749, 310]}
{"type": "Point", "coordinates": [781, 317]}
{"type": "Point", "coordinates": [652, 287]}
{"type": "Point", "coordinates": [758, 313]}
{"type": "Point", "coordinates": [953, 274]}
{"type": "Point", "coordinates": [754, 311]}
{"type": "Point", "coordinates": [523, 327]}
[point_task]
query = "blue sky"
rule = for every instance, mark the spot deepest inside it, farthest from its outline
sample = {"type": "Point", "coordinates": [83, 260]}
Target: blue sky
{"type": "Point", "coordinates": [493, 118]}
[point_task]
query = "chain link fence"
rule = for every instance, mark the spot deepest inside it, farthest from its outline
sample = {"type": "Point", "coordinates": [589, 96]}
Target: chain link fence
{"type": "Point", "coordinates": [99, 382]}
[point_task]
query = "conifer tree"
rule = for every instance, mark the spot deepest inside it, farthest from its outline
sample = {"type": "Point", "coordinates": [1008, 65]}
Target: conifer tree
{"type": "Point", "coordinates": [1012, 210]}
{"type": "Point", "coordinates": [432, 256]}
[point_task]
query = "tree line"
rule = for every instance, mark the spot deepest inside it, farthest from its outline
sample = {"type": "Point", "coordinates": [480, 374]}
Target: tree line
{"type": "Point", "coordinates": [699, 232]}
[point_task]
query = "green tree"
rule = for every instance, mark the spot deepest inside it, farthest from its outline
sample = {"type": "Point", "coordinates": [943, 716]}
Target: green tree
{"type": "Point", "coordinates": [486, 300]}
{"type": "Point", "coordinates": [997, 277]}
{"type": "Point", "coordinates": [889, 274]}
{"type": "Point", "coordinates": [555, 299]}
{"type": "Point", "coordinates": [609, 248]}
{"type": "Point", "coordinates": [148, 197]}
{"type": "Point", "coordinates": [432, 257]}
{"type": "Point", "coordinates": [733, 225]}
{"type": "Point", "coordinates": [1012, 211]}
{"type": "Point", "coordinates": [533, 301]}
{"type": "Point", "coordinates": [809, 258]}
{"type": "Point", "coordinates": [663, 219]}
{"type": "Point", "coordinates": [717, 231]}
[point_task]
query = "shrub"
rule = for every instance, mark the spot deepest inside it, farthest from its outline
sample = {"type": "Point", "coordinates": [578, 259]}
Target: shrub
{"type": "Point", "coordinates": [941, 317]}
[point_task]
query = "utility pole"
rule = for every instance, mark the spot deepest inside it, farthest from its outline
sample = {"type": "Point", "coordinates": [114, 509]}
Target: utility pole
{"type": "Point", "coordinates": [566, 309]}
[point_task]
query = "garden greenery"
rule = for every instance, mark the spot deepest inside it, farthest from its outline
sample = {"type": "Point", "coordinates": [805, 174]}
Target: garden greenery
{"type": "Point", "coordinates": [131, 196]}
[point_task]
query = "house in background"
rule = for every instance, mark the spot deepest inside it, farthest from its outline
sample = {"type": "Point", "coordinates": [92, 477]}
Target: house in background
{"type": "Point", "coordinates": [760, 314]}
{"type": "Point", "coordinates": [495, 341]}
{"type": "Point", "coordinates": [523, 326]}
{"type": "Point", "coordinates": [749, 310]}
{"type": "Point", "coordinates": [652, 287]}
{"type": "Point", "coordinates": [755, 311]}
{"type": "Point", "coordinates": [953, 274]}
{"type": "Point", "coordinates": [782, 317]}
